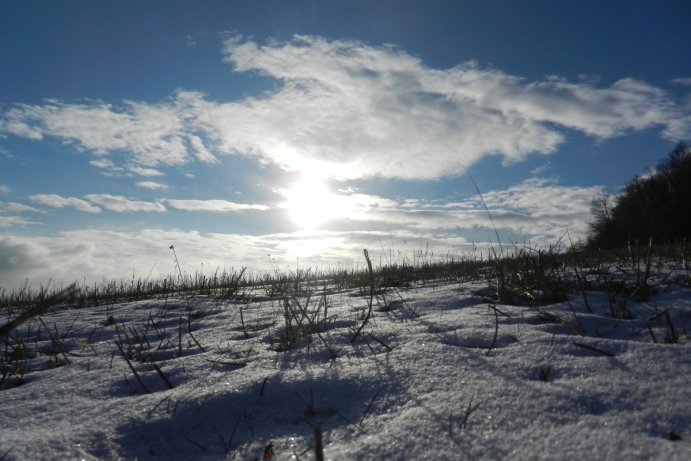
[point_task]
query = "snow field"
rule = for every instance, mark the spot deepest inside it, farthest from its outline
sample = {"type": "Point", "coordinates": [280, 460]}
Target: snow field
{"type": "Point", "coordinates": [441, 372]}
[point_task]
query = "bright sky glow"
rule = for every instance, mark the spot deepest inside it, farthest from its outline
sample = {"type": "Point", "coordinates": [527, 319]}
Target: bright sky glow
{"type": "Point", "coordinates": [310, 203]}
{"type": "Point", "coordinates": [245, 129]}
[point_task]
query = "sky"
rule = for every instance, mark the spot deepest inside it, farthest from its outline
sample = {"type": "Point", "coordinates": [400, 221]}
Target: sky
{"type": "Point", "coordinates": [293, 134]}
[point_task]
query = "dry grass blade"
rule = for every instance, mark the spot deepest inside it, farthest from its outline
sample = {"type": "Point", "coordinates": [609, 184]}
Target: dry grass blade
{"type": "Point", "coordinates": [593, 349]}
{"type": "Point", "coordinates": [371, 297]}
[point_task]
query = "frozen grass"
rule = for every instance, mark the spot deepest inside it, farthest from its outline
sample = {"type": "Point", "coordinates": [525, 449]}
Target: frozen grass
{"type": "Point", "coordinates": [530, 354]}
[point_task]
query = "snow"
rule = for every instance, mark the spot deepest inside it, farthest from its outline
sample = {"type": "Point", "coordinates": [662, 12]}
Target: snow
{"type": "Point", "coordinates": [425, 379]}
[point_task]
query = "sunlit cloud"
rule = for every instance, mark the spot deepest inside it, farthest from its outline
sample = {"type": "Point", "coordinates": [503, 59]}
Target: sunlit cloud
{"type": "Point", "coordinates": [346, 109]}
{"type": "Point", "coordinates": [541, 209]}
{"type": "Point", "coordinates": [543, 197]}
{"type": "Point", "coordinates": [537, 208]}
{"type": "Point", "coordinates": [379, 111]}
{"type": "Point", "coordinates": [214, 206]}
{"type": "Point", "coordinates": [122, 204]}
{"type": "Point", "coordinates": [57, 201]}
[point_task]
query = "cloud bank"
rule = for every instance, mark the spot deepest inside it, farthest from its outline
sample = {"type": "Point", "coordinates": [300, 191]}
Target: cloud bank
{"type": "Point", "coordinates": [539, 209]}
{"type": "Point", "coordinates": [345, 109]}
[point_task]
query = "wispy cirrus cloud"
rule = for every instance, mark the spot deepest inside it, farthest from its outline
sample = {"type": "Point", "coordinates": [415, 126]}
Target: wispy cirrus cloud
{"type": "Point", "coordinates": [58, 201]}
{"type": "Point", "coordinates": [214, 206]}
{"type": "Point", "coordinates": [15, 207]}
{"type": "Point", "coordinates": [8, 218]}
{"type": "Point", "coordinates": [92, 203]}
{"type": "Point", "coordinates": [682, 81]}
{"type": "Point", "coordinates": [346, 109]}
{"type": "Point", "coordinates": [102, 163]}
{"type": "Point", "coordinates": [542, 197]}
{"type": "Point", "coordinates": [15, 221]}
{"type": "Point", "coordinates": [123, 204]}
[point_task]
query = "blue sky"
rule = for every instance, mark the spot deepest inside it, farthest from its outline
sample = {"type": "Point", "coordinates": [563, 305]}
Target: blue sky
{"type": "Point", "coordinates": [310, 130]}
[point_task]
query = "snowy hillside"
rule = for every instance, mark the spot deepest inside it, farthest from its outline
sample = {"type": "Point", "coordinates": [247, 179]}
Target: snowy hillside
{"type": "Point", "coordinates": [439, 370]}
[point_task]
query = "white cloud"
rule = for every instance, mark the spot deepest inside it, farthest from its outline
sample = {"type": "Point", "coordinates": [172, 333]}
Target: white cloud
{"type": "Point", "coordinates": [540, 169]}
{"type": "Point", "coordinates": [682, 81]}
{"type": "Point", "coordinates": [543, 197]}
{"type": "Point", "coordinates": [153, 134]}
{"type": "Point", "coordinates": [152, 185]}
{"type": "Point", "coordinates": [680, 128]}
{"type": "Point", "coordinates": [144, 171]}
{"type": "Point", "coordinates": [122, 204]}
{"type": "Point", "coordinates": [201, 152]}
{"type": "Point", "coordinates": [216, 206]}
{"type": "Point", "coordinates": [347, 110]}
{"type": "Point", "coordinates": [4, 189]}
{"type": "Point", "coordinates": [102, 163]}
{"type": "Point", "coordinates": [57, 201]}
{"type": "Point", "coordinates": [377, 110]}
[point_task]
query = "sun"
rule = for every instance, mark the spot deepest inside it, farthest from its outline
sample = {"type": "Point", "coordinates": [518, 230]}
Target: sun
{"type": "Point", "coordinates": [310, 203]}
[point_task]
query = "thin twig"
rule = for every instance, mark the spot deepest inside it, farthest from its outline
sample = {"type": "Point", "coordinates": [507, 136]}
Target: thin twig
{"type": "Point", "coordinates": [593, 349]}
{"type": "Point", "coordinates": [39, 308]}
{"type": "Point", "coordinates": [215, 428]}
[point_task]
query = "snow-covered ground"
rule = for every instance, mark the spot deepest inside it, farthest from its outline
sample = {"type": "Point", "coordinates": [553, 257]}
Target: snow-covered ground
{"type": "Point", "coordinates": [438, 372]}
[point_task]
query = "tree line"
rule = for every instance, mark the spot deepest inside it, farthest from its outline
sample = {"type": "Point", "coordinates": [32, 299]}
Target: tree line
{"type": "Point", "coordinates": [656, 205]}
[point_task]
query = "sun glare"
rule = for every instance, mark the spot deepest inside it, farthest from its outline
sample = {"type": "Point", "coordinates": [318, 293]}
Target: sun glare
{"type": "Point", "coordinates": [310, 203]}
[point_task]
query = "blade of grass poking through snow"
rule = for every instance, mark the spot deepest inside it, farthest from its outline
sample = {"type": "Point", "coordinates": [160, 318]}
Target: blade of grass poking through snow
{"type": "Point", "coordinates": [371, 297]}
{"type": "Point", "coordinates": [470, 409]}
{"type": "Point", "coordinates": [496, 328]}
{"type": "Point", "coordinates": [39, 308]}
{"type": "Point", "coordinates": [484, 205]}
{"type": "Point", "coordinates": [177, 263]}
